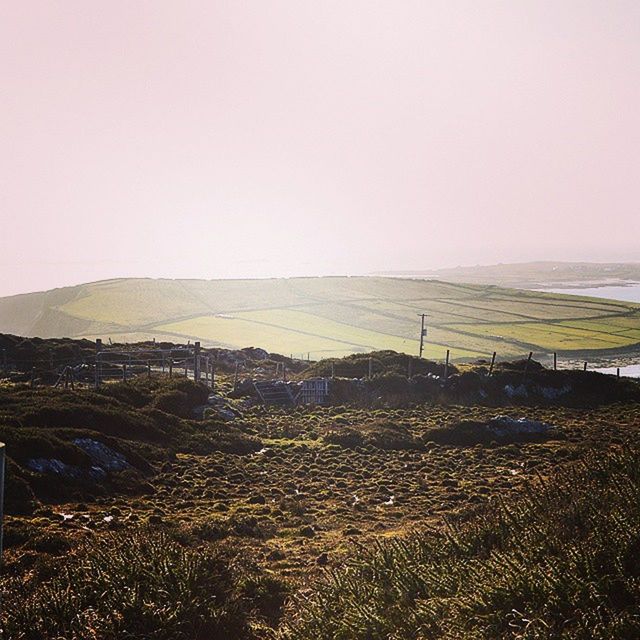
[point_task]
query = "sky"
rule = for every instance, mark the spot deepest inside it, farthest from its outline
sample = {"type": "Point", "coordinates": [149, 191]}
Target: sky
{"type": "Point", "coordinates": [263, 138]}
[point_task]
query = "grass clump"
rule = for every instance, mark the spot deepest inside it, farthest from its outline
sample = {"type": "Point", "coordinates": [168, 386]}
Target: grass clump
{"type": "Point", "coordinates": [379, 433]}
{"type": "Point", "coordinates": [139, 586]}
{"type": "Point", "coordinates": [561, 562]}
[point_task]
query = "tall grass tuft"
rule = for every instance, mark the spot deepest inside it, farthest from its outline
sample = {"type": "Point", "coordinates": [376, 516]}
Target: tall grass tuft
{"type": "Point", "coordinates": [134, 586]}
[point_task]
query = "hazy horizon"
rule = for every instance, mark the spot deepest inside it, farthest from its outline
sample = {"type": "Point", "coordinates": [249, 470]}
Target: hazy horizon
{"type": "Point", "coordinates": [274, 139]}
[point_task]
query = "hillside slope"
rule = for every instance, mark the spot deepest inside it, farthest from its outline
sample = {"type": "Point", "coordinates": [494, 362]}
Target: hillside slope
{"type": "Point", "coordinates": [330, 316]}
{"type": "Point", "coordinates": [536, 275]}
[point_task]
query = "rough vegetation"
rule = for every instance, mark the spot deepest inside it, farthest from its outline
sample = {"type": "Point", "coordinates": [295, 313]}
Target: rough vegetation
{"type": "Point", "coordinates": [387, 514]}
{"type": "Point", "coordinates": [147, 421]}
{"type": "Point", "coordinates": [561, 561]}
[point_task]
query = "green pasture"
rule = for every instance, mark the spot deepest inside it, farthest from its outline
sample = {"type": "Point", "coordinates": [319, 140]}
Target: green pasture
{"type": "Point", "coordinates": [329, 316]}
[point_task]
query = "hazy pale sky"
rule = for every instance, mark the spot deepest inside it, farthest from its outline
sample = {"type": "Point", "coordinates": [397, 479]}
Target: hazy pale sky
{"type": "Point", "coordinates": [257, 138]}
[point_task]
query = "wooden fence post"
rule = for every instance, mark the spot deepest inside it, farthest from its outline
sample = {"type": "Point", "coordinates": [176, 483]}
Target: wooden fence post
{"type": "Point", "coordinates": [196, 362]}
{"type": "Point", "coordinates": [493, 361]}
{"type": "Point", "coordinates": [170, 368]}
{"type": "Point", "coordinates": [585, 367]}
{"type": "Point", "coordinates": [526, 367]}
{"type": "Point", "coordinates": [98, 364]}
{"type": "Point", "coordinates": [555, 361]}
{"type": "Point", "coordinates": [446, 368]}
{"type": "Point", "coordinates": [618, 373]}
{"type": "Point", "coordinates": [124, 372]}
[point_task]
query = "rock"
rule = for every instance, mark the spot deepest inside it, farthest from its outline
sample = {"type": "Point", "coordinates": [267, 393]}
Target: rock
{"type": "Point", "coordinates": [226, 414]}
{"type": "Point", "coordinates": [553, 393]}
{"type": "Point", "coordinates": [55, 467]}
{"type": "Point", "coordinates": [307, 531]}
{"type": "Point", "coordinates": [322, 559]}
{"type": "Point", "coordinates": [101, 455]}
{"type": "Point", "coordinates": [513, 391]}
{"type": "Point", "coordinates": [504, 426]}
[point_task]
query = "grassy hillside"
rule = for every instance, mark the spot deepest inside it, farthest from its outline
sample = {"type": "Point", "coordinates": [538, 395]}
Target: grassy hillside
{"type": "Point", "coordinates": [532, 275]}
{"type": "Point", "coordinates": [328, 316]}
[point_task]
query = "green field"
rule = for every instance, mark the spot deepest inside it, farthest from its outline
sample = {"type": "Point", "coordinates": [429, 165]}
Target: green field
{"type": "Point", "coordinates": [330, 316]}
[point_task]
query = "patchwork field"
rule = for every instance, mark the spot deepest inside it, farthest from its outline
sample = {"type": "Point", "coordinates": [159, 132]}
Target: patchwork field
{"type": "Point", "coordinates": [335, 316]}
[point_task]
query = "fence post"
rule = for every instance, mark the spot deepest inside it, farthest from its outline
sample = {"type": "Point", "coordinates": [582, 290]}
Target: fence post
{"type": "Point", "coordinates": [2, 459]}
{"type": "Point", "coordinates": [196, 362]}
{"type": "Point", "coordinates": [526, 367]}
{"type": "Point", "coordinates": [170, 368]}
{"type": "Point", "coordinates": [618, 373]}
{"type": "Point", "coordinates": [493, 361]}
{"type": "Point", "coordinates": [555, 361]}
{"type": "Point", "coordinates": [446, 368]}
{"type": "Point", "coordinates": [124, 372]}
{"type": "Point", "coordinates": [585, 366]}
{"type": "Point", "coordinates": [98, 367]}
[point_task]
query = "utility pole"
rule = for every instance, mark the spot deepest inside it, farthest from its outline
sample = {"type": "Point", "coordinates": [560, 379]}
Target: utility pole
{"type": "Point", "coordinates": [423, 332]}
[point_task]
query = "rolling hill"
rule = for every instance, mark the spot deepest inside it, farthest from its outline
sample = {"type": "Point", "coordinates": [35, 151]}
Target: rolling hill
{"type": "Point", "coordinates": [329, 316]}
{"type": "Point", "coordinates": [535, 275]}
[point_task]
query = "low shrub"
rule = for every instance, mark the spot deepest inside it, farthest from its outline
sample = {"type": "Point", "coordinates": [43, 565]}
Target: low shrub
{"type": "Point", "coordinates": [381, 434]}
{"type": "Point", "coordinates": [139, 585]}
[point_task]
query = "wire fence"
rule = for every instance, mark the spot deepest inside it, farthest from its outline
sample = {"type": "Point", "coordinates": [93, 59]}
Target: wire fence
{"type": "Point", "coordinates": [99, 364]}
